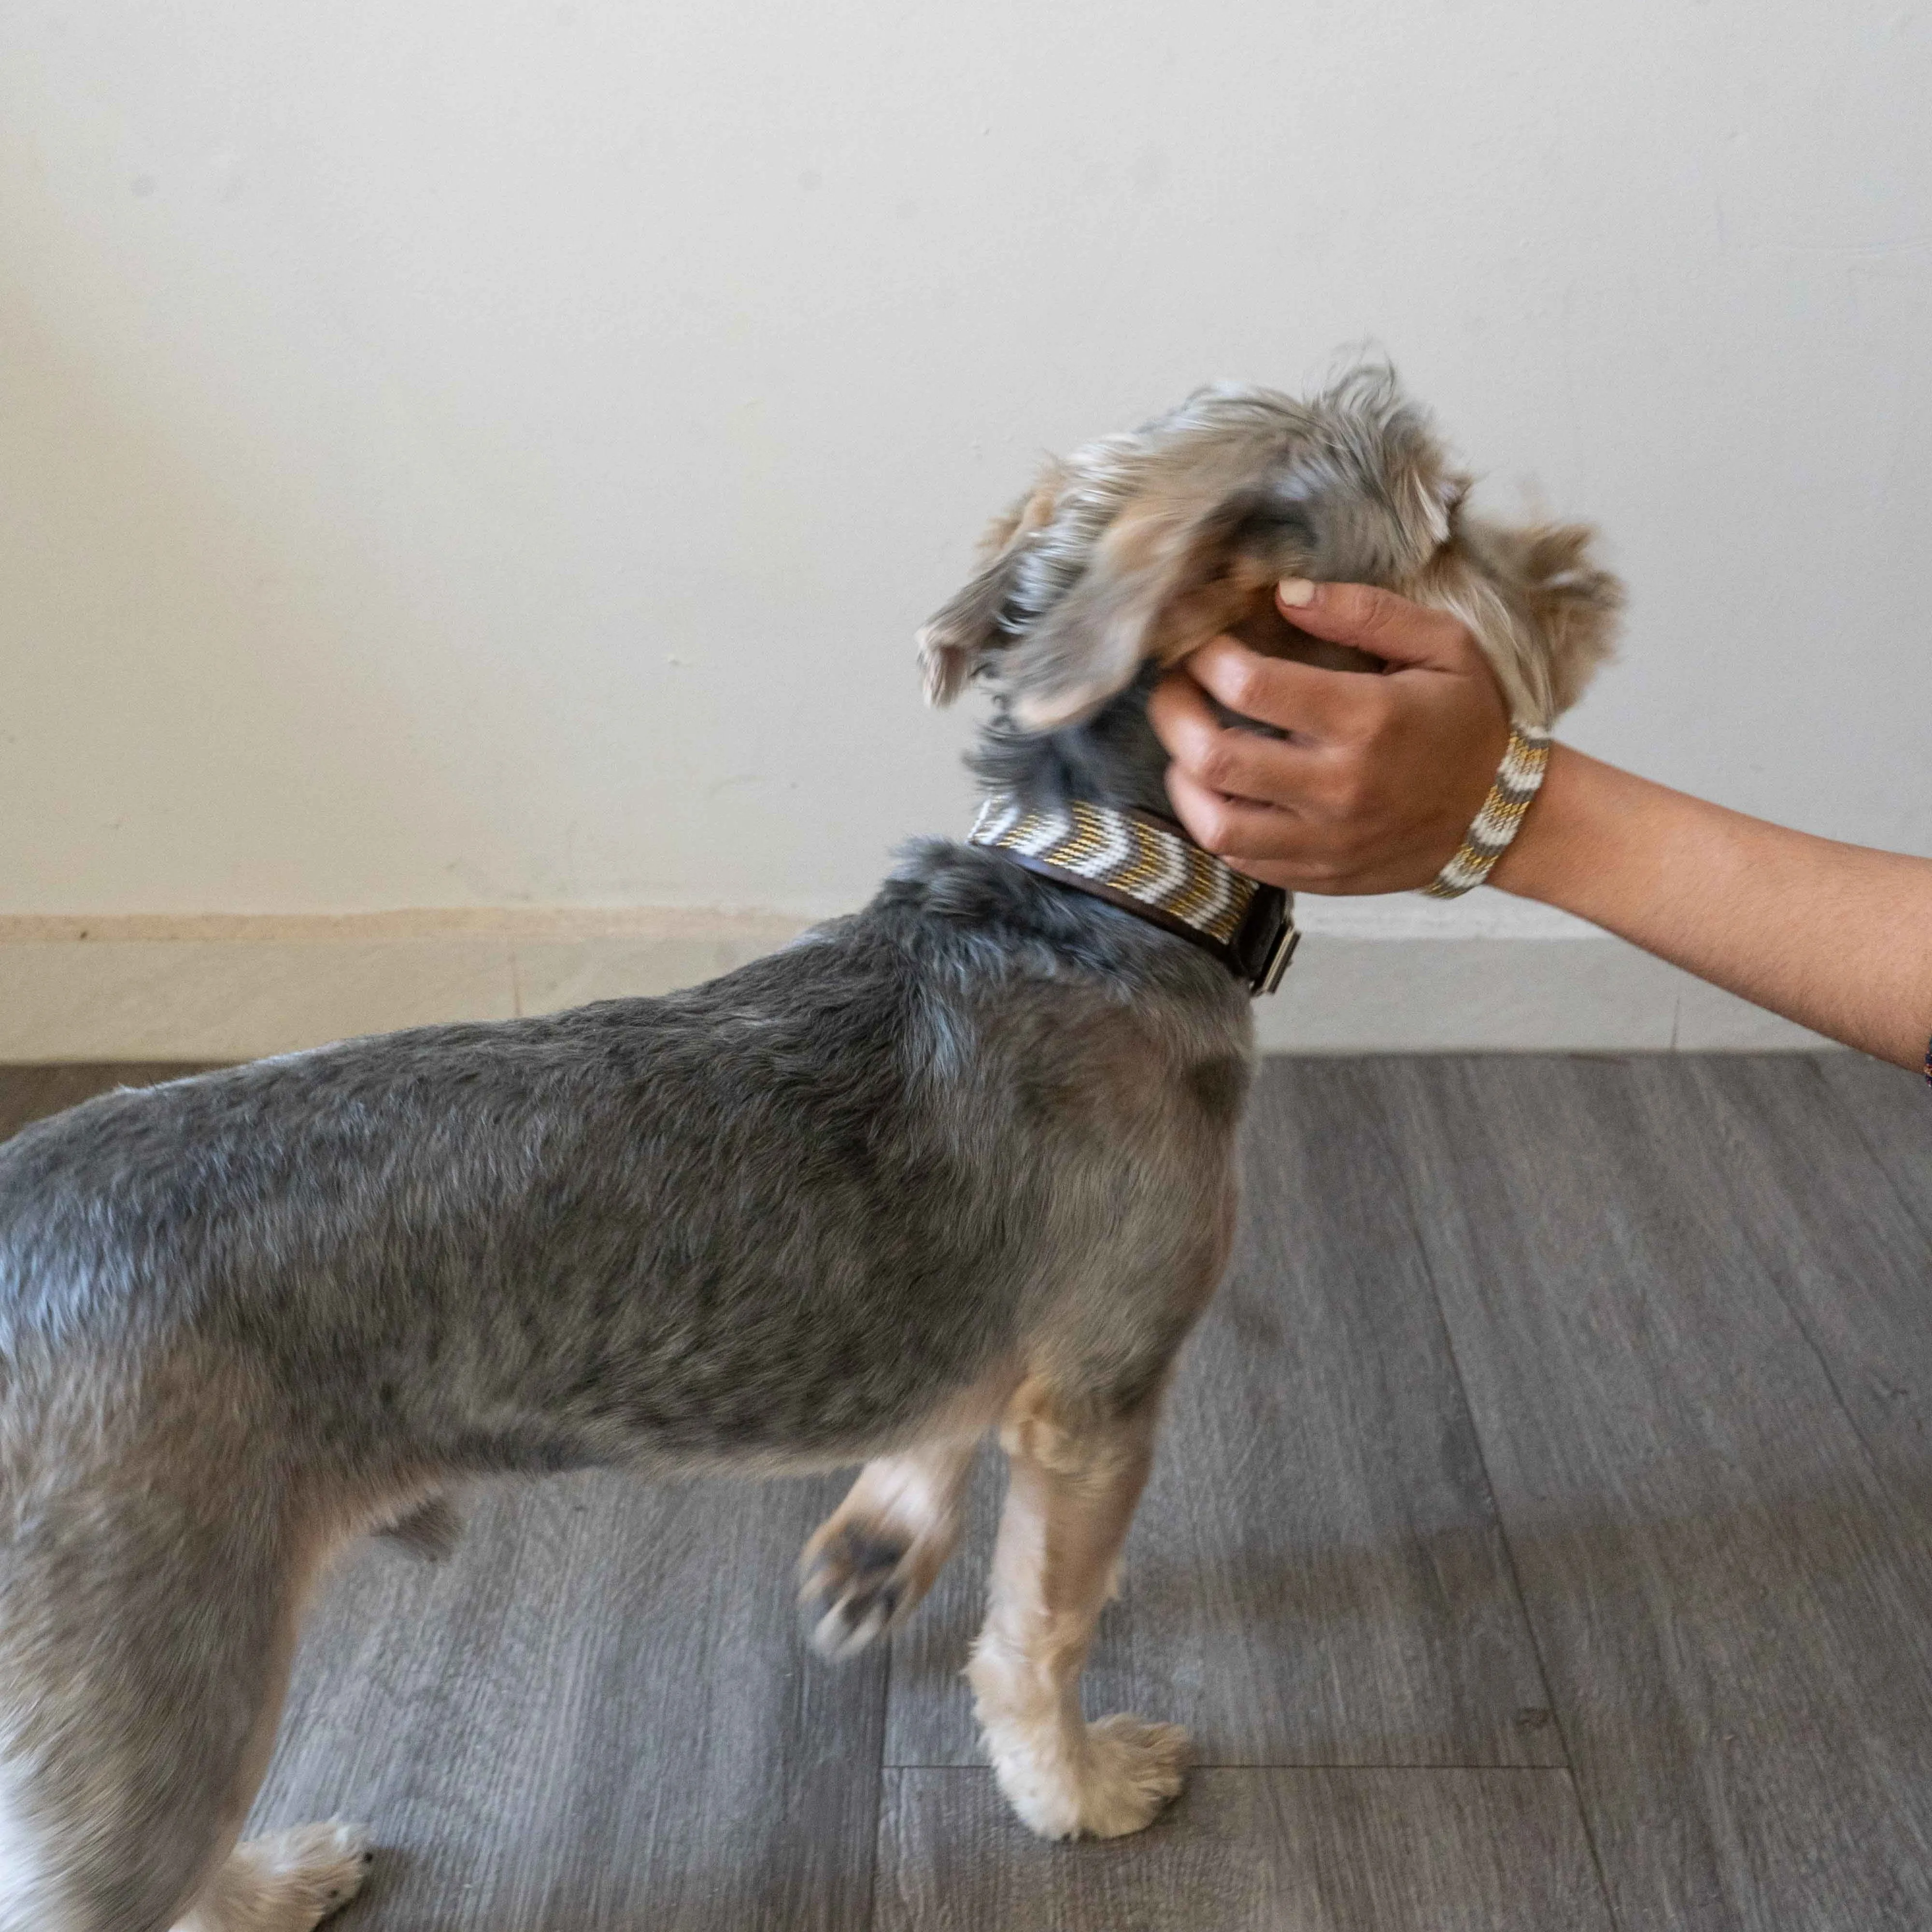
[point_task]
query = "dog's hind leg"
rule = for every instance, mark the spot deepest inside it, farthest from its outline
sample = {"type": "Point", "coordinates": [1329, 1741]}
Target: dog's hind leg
{"type": "Point", "coordinates": [146, 1627]}
{"type": "Point", "coordinates": [287, 1881]}
{"type": "Point", "coordinates": [871, 1561]}
{"type": "Point", "coordinates": [1078, 1467]}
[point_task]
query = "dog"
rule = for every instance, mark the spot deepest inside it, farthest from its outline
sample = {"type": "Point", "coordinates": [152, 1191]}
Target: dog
{"type": "Point", "coordinates": [964, 1161]}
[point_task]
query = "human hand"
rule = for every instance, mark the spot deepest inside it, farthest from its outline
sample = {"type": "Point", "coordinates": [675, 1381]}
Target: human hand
{"type": "Point", "coordinates": [1377, 778]}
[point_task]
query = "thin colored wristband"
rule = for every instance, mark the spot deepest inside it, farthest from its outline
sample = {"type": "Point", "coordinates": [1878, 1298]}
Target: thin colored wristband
{"type": "Point", "coordinates": [1525, 760]}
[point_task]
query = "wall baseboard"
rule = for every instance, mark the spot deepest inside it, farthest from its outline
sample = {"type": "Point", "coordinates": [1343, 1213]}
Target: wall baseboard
{"type": "Point", "coordinates": [222, 986]}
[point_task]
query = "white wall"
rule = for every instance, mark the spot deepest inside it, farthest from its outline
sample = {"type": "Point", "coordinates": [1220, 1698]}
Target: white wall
{"type": "Point", "coordinates": [468, 454]}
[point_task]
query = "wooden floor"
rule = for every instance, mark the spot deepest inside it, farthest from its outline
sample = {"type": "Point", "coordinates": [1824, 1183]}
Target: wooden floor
{"type": "Point", "coordinates": [1543, 1539]}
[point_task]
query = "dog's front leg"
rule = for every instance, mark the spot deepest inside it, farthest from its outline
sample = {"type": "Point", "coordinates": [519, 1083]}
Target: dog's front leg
{"type": "Point", "coordinates": [872, 1560]}
{"type": "Point", "coordinates": [1076, 1476]}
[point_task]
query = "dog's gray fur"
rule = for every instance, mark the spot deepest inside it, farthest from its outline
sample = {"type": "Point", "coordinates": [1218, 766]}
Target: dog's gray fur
{"type": "Point", "coordinates": [971, 1148]}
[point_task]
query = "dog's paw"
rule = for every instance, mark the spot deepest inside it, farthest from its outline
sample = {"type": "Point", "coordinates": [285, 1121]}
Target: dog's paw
{"type": "Point", "coordinates": [854, 1585]}
{"type": "Point", "coordinates": [291, 1881]}
{"type": "Point", "coordinates": [1125, 1772]}
{"type": "Point", "coordinates": [1133, 1768]}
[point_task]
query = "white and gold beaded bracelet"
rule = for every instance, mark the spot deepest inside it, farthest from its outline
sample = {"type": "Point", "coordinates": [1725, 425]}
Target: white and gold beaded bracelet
{"type": "Point", "coordinates": [1487, 839]}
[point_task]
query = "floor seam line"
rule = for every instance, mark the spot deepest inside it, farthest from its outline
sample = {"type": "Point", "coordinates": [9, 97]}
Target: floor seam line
{"type": "Point", "coordinates": [879, 1771]}
{"type": "Point", "coordinates": [1291, 1764]}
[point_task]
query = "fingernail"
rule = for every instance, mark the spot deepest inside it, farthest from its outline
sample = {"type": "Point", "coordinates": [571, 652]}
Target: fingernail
{"type": "Point", "coordinates": [1294, 591]}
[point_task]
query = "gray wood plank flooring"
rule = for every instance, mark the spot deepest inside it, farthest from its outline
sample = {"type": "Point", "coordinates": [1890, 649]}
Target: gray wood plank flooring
{"type": "Point", "coordinates": [595, 1715]}
{"type": "Point", "coordinates": [1312, 1850]}
{"type": "Point", "coordinates": [1889, 1108]}
{"type": "Point", "coordinates": [1845, 1253]}
{"type": "Point", "coordinates": [1540, 1541]}
{"type": "Point", "coordinates": [1732, 1605]}
{"type": "Point", "coordinates": [26, 1092]}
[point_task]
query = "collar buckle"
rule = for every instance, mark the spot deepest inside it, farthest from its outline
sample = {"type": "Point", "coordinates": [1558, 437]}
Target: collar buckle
{"type": "Point", "coordinates": [1267, 977]}
{"type": "Point", "coordinates": [1266, 940]}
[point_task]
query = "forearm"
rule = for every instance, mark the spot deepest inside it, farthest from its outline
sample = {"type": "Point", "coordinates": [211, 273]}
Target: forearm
{"type": "Point", "coordinates": [1838, 938]}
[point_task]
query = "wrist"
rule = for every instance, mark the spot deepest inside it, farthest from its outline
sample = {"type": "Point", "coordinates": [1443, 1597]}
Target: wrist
{"type": "Point", "coordinates": [1608, 846]}
{"type": "Point", "coordinates": [1549, 859]}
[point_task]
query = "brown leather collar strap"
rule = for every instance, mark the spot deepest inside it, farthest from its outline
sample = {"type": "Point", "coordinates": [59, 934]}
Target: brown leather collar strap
{"type": "Point", "coordinates": [1149, 867]}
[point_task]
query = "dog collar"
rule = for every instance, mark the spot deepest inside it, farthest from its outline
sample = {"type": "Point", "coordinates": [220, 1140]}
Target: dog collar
{"type": "Point", "coordinates": [1146, 866]}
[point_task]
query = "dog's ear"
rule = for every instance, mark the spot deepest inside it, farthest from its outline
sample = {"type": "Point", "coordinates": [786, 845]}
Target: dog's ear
{"type": "Point", "coordinates": [953, 644]}
{"type": "Point", "coordinates": [1156, 583]}
{"type": "Point", "coordinates": [1563, 609]}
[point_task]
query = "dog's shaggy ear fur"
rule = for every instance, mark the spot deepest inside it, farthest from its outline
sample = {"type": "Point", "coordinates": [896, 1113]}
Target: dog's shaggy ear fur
{"type": "Point", "coordinates": [953, 645]}
{"type": "Point", "coordinates": [1160, 569]}
{"type": "Point", "coordinates": [1572, 605]}
{"type": "Point", "coordinates": [1108, 567]}
{"type": "Point", "coordinates": [1543, 610]}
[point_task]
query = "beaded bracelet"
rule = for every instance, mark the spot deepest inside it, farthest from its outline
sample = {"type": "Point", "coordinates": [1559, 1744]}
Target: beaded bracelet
{"type": "Point", "coordinates": [1487, 839]}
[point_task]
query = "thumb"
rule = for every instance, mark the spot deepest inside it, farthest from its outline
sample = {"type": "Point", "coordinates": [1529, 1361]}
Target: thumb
{"type": "Point", "coordinates": [1376, 621]}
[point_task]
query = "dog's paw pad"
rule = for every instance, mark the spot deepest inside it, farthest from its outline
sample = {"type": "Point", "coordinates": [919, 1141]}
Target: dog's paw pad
{"type": "Point", "coordinates": [854, 1588]}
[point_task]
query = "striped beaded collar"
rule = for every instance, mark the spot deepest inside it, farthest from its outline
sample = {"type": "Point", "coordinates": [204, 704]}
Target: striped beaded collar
{"type": "Point", "coordinates": [1147, 866]}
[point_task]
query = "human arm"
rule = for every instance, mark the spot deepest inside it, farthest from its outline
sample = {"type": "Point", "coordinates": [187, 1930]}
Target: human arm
{"type": "Point", "coordinates": [1379, 777]}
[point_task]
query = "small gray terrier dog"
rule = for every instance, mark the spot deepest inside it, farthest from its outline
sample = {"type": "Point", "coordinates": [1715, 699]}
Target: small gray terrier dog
{"type": "Point", "coordinates": [964, 1160]}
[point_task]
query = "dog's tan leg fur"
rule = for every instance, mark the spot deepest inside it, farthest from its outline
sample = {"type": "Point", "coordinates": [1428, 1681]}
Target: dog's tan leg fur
{"type": "Point", "coordinates": [1076, 1476]}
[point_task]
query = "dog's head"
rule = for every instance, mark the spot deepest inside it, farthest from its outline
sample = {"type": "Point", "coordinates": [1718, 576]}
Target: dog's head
{"type": "Point", "coordinates": [1142, 547]}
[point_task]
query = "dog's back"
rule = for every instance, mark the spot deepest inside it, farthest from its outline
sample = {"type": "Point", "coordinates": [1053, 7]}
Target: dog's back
{"type": "Point", "coordinates": [676, 1228]}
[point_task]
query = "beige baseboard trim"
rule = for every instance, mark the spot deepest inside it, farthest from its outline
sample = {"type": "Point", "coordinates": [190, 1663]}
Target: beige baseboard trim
{"type": "Point", "coordinates": [221, 986]}
{"type": "Point", "coordinates": [1594, 995]}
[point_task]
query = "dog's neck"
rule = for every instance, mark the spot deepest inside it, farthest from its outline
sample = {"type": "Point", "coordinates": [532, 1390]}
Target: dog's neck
{"type": "Point", "coordinates": [1113, 758]}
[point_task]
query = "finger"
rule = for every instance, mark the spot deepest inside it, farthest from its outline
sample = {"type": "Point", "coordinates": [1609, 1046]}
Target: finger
{"type": "Point", "coordinates": [1178, 710]}
{"type": "Point", "coordinates": [1315, 705]}
{"type": "Point", "coordinates": [1377, 621]}
{"type": "Point", "coordinates": [1222, 758]}
{"type": "Point", "coordinates": [1232, 828]}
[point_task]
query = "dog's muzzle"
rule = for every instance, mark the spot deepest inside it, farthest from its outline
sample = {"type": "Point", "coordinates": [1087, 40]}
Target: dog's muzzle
{"type": "Point", "coordinates": [1146, 866]}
